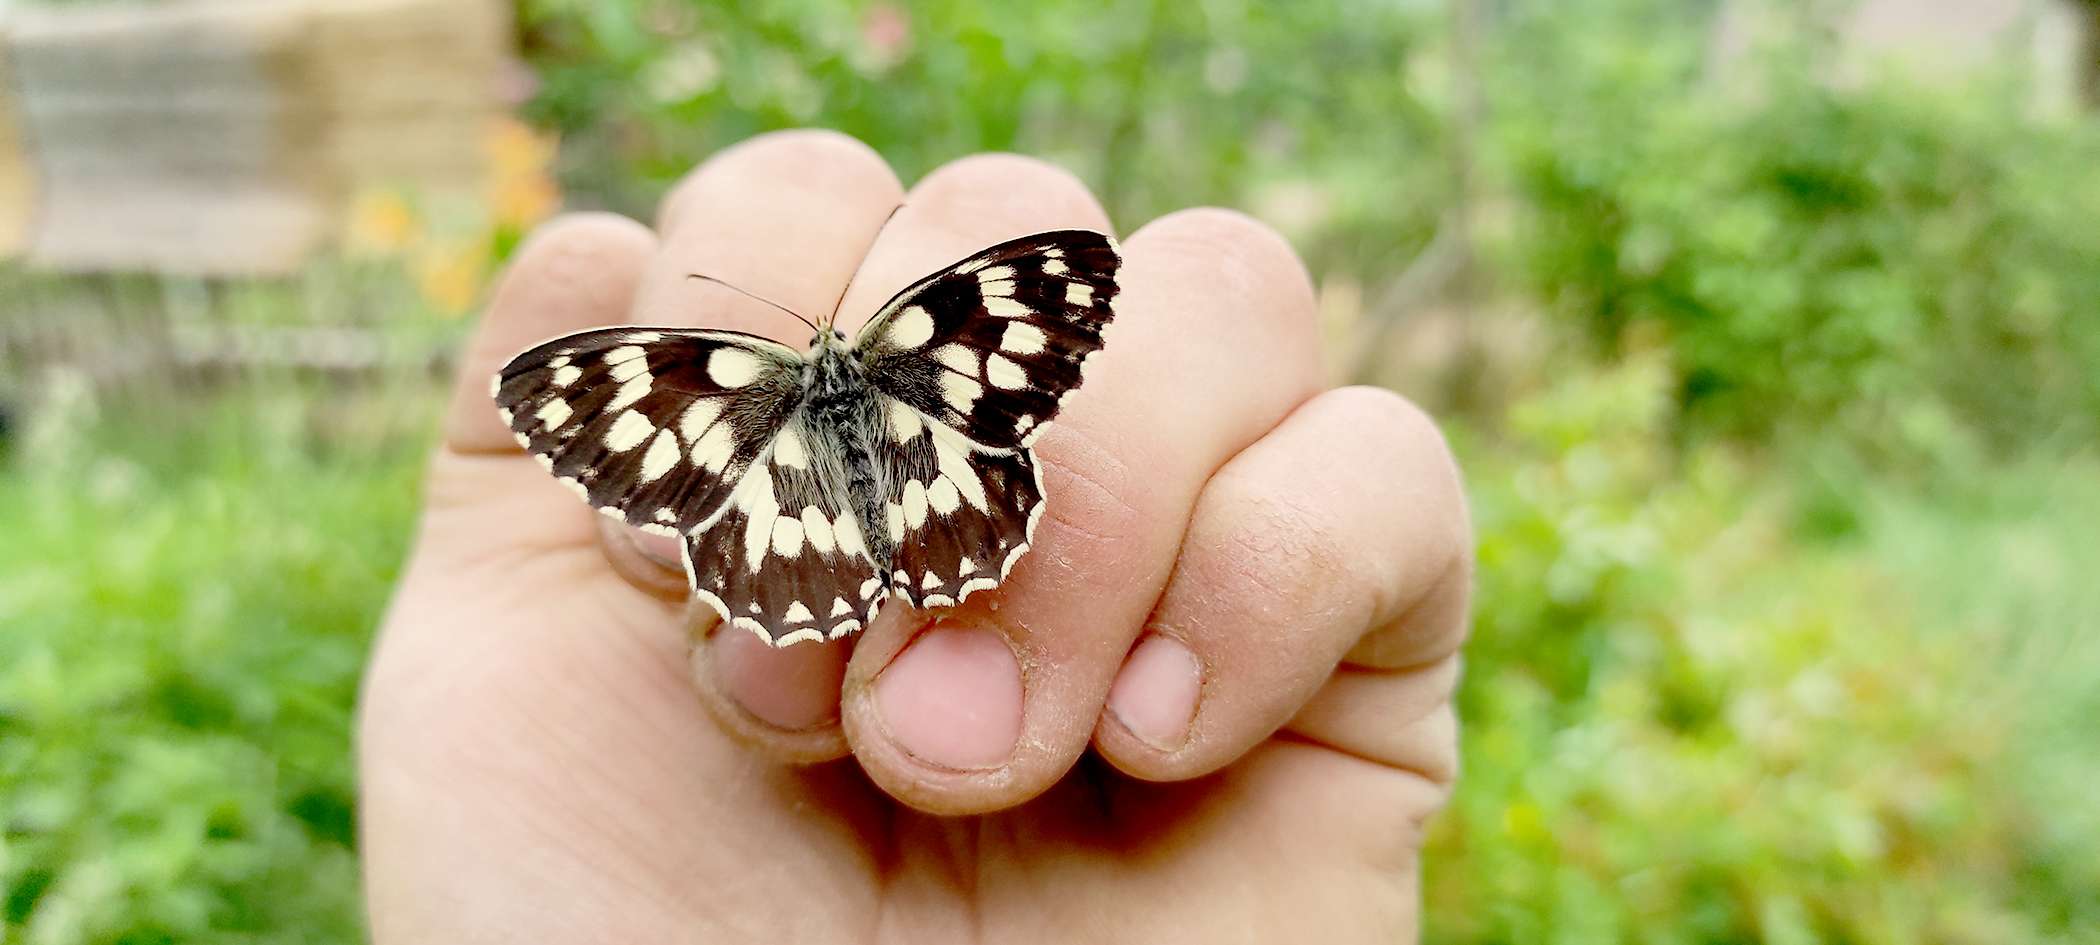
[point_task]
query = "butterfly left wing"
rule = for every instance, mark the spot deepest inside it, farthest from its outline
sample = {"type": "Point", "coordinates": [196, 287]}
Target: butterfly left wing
{"type": "Point", "coordinates": [971, 363]}
{"type": "Point", "coordinates": [786, 558]}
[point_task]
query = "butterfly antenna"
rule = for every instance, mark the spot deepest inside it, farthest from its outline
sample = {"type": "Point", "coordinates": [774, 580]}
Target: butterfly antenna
{"type": "Point", "coordinates": [833, 318]}
{"type": "Point", "coordinates": [754, 295]}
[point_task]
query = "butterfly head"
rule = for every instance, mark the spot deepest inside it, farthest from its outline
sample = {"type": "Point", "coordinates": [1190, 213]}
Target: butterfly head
{"type": "Point", "coordinates": [831, 338]}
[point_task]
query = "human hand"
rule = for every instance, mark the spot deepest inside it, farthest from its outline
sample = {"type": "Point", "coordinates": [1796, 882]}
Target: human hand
{"type": "Point", "coordinates": [1246, 597]}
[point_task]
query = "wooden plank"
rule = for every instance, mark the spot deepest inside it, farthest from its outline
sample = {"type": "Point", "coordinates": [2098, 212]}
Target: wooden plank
{"type": "Point", "coordinates": [17, 172]}
{"type": "Point", "coordinates": [173, 138]}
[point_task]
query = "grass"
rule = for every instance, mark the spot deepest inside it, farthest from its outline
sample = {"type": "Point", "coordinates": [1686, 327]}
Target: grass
{"type": "Point", "coordinates": [188, 586]}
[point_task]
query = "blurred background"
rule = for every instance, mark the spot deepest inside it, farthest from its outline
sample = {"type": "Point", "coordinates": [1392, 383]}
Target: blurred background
{"type": "Point", "coordinates": [1768, 332]}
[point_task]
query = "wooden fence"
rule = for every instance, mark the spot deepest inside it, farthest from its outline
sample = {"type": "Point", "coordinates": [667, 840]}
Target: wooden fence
{"type": "Point", "coordinates": [231, 136]}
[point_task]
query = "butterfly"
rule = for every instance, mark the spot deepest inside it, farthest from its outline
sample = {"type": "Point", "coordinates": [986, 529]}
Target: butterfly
{"type": "Point", "coordinates": [808, 487]}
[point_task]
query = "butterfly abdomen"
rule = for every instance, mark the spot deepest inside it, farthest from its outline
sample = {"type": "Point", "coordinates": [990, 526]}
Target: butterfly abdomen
{"type": "Point", "coordinates": [842, 402]}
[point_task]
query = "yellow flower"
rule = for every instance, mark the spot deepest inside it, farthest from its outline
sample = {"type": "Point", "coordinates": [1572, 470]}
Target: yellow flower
{"type": "Point", "coordinates": [450, 275]}
{"type": "Point", "coordinates": [381, 223]}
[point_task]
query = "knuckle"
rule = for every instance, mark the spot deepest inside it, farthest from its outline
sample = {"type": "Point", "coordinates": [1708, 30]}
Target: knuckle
{"type": "Point", "coordinates": [1288, 561]}
{"type": "Point", "coordinates": [1025, 191]}
{"type": "Point", "coordinates": [1414, 447]}
{"type": "Point", "coordinates": [1234, 251]}
{"type": "Point", "coordinates": [800, 154]}
{"type": "Point", "coordinates": [996, 170]}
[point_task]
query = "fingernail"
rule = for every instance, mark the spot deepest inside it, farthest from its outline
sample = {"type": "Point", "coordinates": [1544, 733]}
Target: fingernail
{"type": "Point", "coordinates": [1155, 694]}
{"type": "Point", "coordinates": [953, 698]}
{"type": "Point", "coordinates": [793, 688]}
{"type": "Point", "coordinates": [662, 549]}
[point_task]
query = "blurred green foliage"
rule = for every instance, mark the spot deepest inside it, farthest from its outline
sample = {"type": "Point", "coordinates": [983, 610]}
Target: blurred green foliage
{"type": "Point", "coordinates": [1786, 631]}
{"type": "Point", "coordinates": [1917, 266]}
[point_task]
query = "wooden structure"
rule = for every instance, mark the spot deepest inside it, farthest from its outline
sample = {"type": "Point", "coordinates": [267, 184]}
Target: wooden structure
{"type": "Point", "coordinates": [230, 136]}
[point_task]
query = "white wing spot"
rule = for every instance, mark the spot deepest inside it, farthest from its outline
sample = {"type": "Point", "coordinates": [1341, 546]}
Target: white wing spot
{"type": "Point", "coordinates": [904, 421]}
{"type": "Point", "coordinates": [931, 581]}
{"type": "Point", "coordinates": [554, 413]}
{"type": "Point", "coordinates": [1053, 254]}
{"type": "Point", "coordinates": [628, 432]}
{"type": "Point", "coordinates": [754, 608]}
{"type": "Point", "coordinates": [505, 414]}
{"type": "Point", "coordinates": [869, 587]}
{"type": "Point", "coordinates": [809, 634]}
{"type": "Point", "coordinates": [896, 522]}
{"type": "Point", "coordinates": [912, 328]}
{"type": "Point", "coordinates": [1004, 374]}
{"type": "Point", "coordinates": [817, 530]}
{"type": "Point", "coordinates": [965, 566]}
{"type": "Point", "coordinates": [625, 364]}
{"type": "Point", "coordinates": [788, 449]}
{"type": "Point", "coordinates": [1022, 338]}
{"type": "Point", "coordinates": [713, 450]}
{"type": "Point", "coordinates": [700, 415]}
{"type": "Point", "coordinates": [787, 536]}
{"type": "Point", "coordinates": [955, 464]}
{"type": "Point", "coordinates": [844, 627]}
{"type": "Point", "coordinates": [644, 337]}
{"type": "Point", "coordinates": [732, 367]}
{"type": "Point", "coordinates": [612, 513]}
{"type": "Point", "coordinates": [754, 496]}
{"type": "Point", "coordinates": [1079, 293]}
{"type": "Point", "coordinates": [566, 375]}
{"type": "Point", "coordinates": [958, 359]}
{"type": "Point", "coordinates": [570, 483]}
{"type": "Point", "coordinates": [943, 497]}
{"type": "Point", "coordinates": [846, 530]}
{"type": "Point", "coordinates": [546, 462]}
{"type": "Point", "coordinates": [1051, 265]}
{"type": "Point", "coordinates": [635, 389]}
{"type": "Point", "coordinates": [995, 274]}
{"type": "Point", "coordinates": [797, 613]}
{"type": "Point", "coordinates": [915, 503]}
{"type": "Point", "coordinates": [993, 290]}
{"type": "Point", "coordinates": [666, 515]}
{"type": "Point", "coordinates": [663, 454]}
{"type": "Point", "coordinates": [839, 607]}
{"type": "Point", "coordinates": [960, 392]}
{"type": "Point", "coordinates": [1006, 308]}
{"type": "Point", "coordinates": [559, 362]}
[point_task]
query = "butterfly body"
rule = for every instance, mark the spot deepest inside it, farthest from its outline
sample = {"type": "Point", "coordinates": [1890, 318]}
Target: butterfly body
{"type": "Point", "coordinates": [809, 487]}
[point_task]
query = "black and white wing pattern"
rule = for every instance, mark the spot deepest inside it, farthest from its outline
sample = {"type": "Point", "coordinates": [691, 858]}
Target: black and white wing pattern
{"type": "Point", "coordinates": [970, 364]}
{"type": "Point", "coordinates": [990, 346]}
{"type": "Point", "coordinates": [786, 558]}
{"type": "Point", "coordinates": [694, 434]}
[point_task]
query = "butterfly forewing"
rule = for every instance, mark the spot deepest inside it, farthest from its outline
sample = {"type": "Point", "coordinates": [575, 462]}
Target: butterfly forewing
{"type": "Point", "coordinates": [990, 347]}
{"type": "Point", "coordinates": [650, 426]}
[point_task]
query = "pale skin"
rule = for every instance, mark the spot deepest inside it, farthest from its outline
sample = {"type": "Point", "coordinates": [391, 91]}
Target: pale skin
{"type": "Point", "coordinates": [1212, 705]}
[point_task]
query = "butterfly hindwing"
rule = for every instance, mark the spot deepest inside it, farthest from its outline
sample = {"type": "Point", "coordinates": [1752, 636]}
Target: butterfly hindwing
{"type": "Point", "coordinates": [991, 345]}
{"type": "Point", "coordinates": [958, 515]}
{"type": "Point", "coordinates": [787, 558]}
{"type": "Point", "coordinates": [650, 426]}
